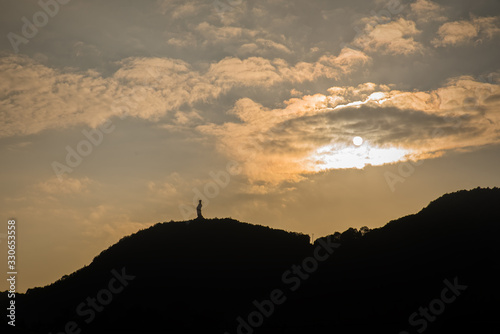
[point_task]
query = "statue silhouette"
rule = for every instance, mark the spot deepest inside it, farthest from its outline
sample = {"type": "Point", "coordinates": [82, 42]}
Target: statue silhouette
{"type": "Point", "coordinates": [198, 210]}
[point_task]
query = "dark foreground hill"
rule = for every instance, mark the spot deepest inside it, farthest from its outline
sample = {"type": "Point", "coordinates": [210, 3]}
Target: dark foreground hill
{"type": "Point", "coordinates": [432, 272]}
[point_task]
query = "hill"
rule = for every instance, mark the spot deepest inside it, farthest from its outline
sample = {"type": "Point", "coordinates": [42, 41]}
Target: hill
{"type": "Point", "coordinates": [224, 276]}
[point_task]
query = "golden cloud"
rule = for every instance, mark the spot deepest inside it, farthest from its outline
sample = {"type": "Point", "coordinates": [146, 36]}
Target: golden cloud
{"type": "Point", "coordinates": [315, 132]}
{"type": "Point", "coordinates": [394, 37]}
{"type": "Point", "coordinates": [461, 32]}
{"type": "Point", "coordinates": [35, 97]}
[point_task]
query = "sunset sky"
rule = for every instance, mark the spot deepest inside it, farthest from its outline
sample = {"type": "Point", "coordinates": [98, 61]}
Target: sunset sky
{"type": "Point", "coordinates": [119, 114]}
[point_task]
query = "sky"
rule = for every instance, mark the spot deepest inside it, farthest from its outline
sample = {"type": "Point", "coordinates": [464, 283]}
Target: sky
{"type": "Point", "coordinates": [310, 116]}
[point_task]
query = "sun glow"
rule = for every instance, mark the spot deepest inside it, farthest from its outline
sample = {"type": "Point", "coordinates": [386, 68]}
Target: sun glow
{"type": "Point", "coordinates": [377, 97]}
{"type": "Point", "coordinates": [338, 156]}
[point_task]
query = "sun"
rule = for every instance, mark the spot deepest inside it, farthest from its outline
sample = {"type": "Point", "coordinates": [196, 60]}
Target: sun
{"type": "Point", "coordinates": [358, 141]}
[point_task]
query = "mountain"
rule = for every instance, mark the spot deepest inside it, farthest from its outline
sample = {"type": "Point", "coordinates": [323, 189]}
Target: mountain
{"type": "Point", "coordinates": [432, 272]}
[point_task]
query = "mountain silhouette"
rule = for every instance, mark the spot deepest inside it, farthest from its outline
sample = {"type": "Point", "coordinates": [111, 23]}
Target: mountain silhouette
{"type": "Point", "coordinates": [432, 272]}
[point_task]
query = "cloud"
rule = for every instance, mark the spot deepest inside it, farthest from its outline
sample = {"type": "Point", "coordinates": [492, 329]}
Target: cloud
{"type": "Point", "coordinates": [35, 97]}
{"type": "Point", "coordinates": [188, 40]}
{"type": "Point", "coordinates": [233, 39]}
{"type": "Point", "coordinates": [73, 200]}
{"type": "Point", "coordinates": [394, 37]}
{"type": "Point", "coordinates": [65, 186]}
{"type": "Point", "coordinates": [181, 10]}
{"type": "Point", "coordinates": [427, 11]}
{"type": "Point", "coordinates": [105, 223]}
{"type": "Point", "coordinates": [476, 29]}
{"type": "Point", "coordinates": [257, 71]}
{"type": "Point", "coordinates": [21, 146]}
{"type": "Point", "coordinates": [262, 46]}
{"type": "Point", "coordinates": [315, 132]}
{"type": "Point", "coordinates": [215, 34]}
{"type": "Point", "coordinates": [168, 190]}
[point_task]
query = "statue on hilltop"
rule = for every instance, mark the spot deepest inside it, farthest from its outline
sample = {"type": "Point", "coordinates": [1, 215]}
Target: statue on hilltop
{"type": "Point", "coordinates": [198, 210]}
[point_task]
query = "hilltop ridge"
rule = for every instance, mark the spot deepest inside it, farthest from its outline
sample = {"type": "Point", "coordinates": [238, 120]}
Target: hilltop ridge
{"type": "Point", "coordinates": [207, 274]}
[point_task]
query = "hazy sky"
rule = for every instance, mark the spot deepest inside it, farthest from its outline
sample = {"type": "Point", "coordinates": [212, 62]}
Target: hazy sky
{"type": "Point", "coordinates": [119, 114]}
